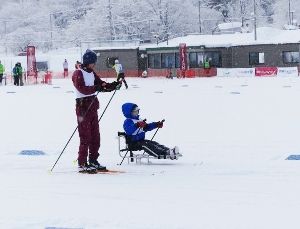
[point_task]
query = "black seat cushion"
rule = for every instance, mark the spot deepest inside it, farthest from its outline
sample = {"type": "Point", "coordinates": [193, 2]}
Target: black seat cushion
{"type": "Point", "coordinates": [131, 146]}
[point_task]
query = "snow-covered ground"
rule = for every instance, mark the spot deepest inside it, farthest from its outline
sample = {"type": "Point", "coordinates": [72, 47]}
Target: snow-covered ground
{"type": "Point", "coordinates": [234, 133]}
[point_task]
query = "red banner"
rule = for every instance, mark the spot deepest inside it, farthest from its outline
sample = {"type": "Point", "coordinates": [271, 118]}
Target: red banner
{"type": "Point", "coordinates": [266, 71]}
{"type": "Point", "coordinates": [31, 61]}
{"type": "Point", "coordinates": [183, 58]}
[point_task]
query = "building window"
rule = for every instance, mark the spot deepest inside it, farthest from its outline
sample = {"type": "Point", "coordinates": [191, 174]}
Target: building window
{"type": "Point", "coordinates": [256, 58]}
{"type": "Point", "coordinates": [214, 58]}
{"type": "Point", "coordinates": [200, 59]}
{"type": "Point", "coordinates": [154, 61]}
{"type": "Point", "coordinates": [193, 60]}
{"type": "Point", "coordinates": [196, 59]}
{"type": "Point", "coordinates": [177, 60]}
{"type": "Point", "coordinates": [167, 60]}
{"type": "Point", "coordinates": [290, 57]}
{"type": "Point", "coordinates": [42, 65]}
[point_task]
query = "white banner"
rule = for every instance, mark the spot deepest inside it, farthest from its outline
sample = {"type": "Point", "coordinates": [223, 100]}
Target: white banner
{"type": "Point", "coordinates": [245, 72]}
{"type": "Point", "coordinates": [224, 72]}
{"type": "Point", "coordinates": [288, 72]}
{"type": "Point", "coordinates": [236, 72]}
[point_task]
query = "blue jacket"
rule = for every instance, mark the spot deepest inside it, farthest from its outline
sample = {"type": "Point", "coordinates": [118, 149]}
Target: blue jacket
{"type": "Point", "coordinates": [130, 126]}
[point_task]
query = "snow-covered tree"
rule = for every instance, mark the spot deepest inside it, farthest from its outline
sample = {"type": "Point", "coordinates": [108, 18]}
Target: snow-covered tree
{"type": "Point", "coordinates": [65, 23]}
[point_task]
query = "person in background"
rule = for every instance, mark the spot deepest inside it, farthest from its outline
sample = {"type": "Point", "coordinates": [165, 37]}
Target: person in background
{"type": "Point", "coordinates": [17, 73]}
{"type": "Point", "coordinates": [169, 74]}
{"type": "Point", "coordinates": [16, 81]}
{"type": "Point", "coordinates": [20, 73]}
{"type": "Point", "coordinates": [2, 70]}
{"type": "Point", "coordinates": [144, 74]}
{"type": "Point", "coordinates": [77, 65]}
{"type": "Point", "coordinates": [207, 65]}
{"type": "Point", "coordinates": [120, 72]}
{"type": "Point", "coordinates": [65, 66]}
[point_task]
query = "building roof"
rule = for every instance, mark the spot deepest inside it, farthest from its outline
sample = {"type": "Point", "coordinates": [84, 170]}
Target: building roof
{"type": "Point", "coordinates": [265, 35]}
{"type": "Point", "coordinates": [115, 48]}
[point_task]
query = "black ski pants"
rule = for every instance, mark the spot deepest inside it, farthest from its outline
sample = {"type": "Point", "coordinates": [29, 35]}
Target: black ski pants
{"type": "Point", "coordinates": [122, 76]}
{"type": "Point", "coordinates": [153, 148]}
{"type": "Point", "coordinates": [16, 80]}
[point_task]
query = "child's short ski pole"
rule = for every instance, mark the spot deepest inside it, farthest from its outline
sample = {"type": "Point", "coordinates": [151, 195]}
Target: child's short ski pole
{"type": "Point", "coordinates": [124, 157]}
{"type": "Point", "coordinates": [156, 130]}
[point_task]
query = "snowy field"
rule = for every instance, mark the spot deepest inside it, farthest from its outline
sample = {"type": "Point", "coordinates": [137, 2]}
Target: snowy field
{"type": "Point", "coordinates": [234, 134]}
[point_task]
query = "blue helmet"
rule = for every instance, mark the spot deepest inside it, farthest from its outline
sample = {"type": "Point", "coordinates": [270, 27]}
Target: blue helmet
{"type": "Point", "coordinates": [89, 57]}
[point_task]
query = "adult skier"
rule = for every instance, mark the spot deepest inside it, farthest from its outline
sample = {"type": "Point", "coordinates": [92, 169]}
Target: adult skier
{"type": "Point", "coordinates": [86, 84]}
{"type": "Point", "coordinates": [120, 72]}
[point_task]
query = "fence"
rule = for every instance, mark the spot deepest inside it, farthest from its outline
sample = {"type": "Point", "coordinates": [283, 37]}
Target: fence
{"type": "Point", "coordinates": [46, 77]}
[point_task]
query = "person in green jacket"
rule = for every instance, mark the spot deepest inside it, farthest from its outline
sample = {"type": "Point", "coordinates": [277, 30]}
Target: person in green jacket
{"type": "Point", "coordinates": [18, 72]}
{"type": "Point", "coordinates": [207, 65]}
{"type": "Point", "coordinates": [2, 70]}
{"type": "Point", "coordinates": [15, 75]}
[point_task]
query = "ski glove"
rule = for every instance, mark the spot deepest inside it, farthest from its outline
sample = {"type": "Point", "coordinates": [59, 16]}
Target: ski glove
{"type": "Point", "coordinates": [141, 124]}
{"type": "Point", "coordinates": [160, 124]}
{"type": "Point", "coordinates": [100, 87]}
{"type": "Point", "coordinates": [108, 87]}
{"type": "Point", "coordinates": [117, 85]}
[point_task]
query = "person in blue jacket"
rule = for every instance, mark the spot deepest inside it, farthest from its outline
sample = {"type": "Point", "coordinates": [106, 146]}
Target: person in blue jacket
{"type": "Point", "coordinates": [135, 129]}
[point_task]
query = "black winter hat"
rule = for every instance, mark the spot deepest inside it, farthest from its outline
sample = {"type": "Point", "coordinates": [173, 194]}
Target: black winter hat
{"type": "Point", "coordinates": [89, 57]}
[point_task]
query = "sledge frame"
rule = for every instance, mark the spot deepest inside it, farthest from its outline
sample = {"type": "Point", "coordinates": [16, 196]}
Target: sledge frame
{"type": "Point", "coordinates": [134, 154]}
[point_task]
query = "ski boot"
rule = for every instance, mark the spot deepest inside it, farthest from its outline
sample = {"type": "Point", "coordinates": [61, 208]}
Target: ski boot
{"type": "Point", "coordinates": [174, 153]}
{"type": "Point", "coordinates": [96, 165]}
{"type": "Point", "coordinates": [86, 168]}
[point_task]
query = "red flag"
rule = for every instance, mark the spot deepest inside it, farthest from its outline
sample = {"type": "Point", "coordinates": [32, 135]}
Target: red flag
{"type": "Point", "coordinates": [183, 58]}
{"type": "Point", "coordinates": [31, 61]}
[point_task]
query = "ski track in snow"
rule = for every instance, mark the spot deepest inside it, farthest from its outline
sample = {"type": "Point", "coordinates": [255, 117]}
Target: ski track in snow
{"type": "Point", "coordinates": [234, 134]}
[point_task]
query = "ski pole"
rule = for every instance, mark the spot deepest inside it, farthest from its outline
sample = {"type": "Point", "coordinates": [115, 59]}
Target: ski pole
{"type": "Point", "coordinates": [107, 105]}
{"type": "Point", "coordinates": [128, 149]}
{"type": "Point", "coordinates": [77, 125]}
{"type": "Point", "coordinates": [74, 132]}
{"type": "Point", "coordinates": [124, 157]}
{"type": "Point", "coordinates": [156, 131]}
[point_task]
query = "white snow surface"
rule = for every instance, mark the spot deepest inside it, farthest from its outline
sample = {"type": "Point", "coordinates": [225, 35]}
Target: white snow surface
{"type": "Point", "coordinates": [229, 25]}
{"type": "Point", "coordinates": [234, 134]}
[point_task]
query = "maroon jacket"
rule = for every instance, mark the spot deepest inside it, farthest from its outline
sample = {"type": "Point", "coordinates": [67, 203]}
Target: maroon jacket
{"type": "Point", "coordinates": [78, 82]}
{"type": "Point", "coordinates": [83, 104]}
{"type": "Point", "coordinates": [87, 117]}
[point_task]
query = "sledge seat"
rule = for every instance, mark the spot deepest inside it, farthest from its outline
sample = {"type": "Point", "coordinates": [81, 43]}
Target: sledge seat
{"type": "Point", "coordinates": [126, 147]}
